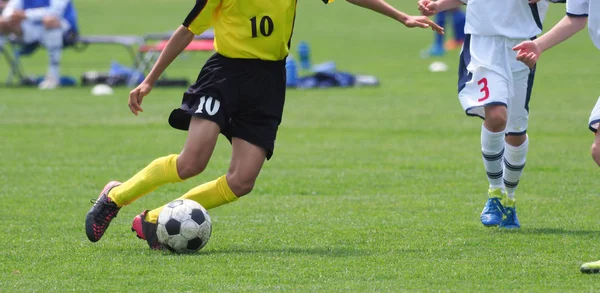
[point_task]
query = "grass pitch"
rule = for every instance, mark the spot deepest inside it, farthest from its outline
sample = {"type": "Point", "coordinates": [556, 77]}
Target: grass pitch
{"type": "Point", "coordinates": [369, 189]}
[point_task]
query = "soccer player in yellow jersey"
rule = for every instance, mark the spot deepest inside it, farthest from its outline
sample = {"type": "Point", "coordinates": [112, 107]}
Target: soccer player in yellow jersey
{"type": "Point", "coordinates": [239, 92]}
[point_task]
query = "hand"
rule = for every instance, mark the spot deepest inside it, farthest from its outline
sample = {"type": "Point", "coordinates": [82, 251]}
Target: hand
{"type": "Point", "coordinates": [17, 17]}
{"type": "Point", "coordinates": [427, 7]}
{"type": "Point", "coordinates": [528, 52]}
{"type": "Point", "coordinates": [137, 95]}
{"type": "Point", "coordinates": [423, 22]}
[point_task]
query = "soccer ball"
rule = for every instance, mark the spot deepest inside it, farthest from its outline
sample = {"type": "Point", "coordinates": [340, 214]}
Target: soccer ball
{"type": "Point", "coordinates": [184, 226]}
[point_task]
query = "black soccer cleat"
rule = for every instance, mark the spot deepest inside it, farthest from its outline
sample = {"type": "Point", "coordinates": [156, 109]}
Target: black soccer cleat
{"type": "Point", "coordinates": [100, 215]}
{"type": "Point", "coordinates": [146, 231]}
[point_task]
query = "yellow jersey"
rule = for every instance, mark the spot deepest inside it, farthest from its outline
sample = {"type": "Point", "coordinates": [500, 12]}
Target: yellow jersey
{"type": "Point", "coordinates": [248, 29]}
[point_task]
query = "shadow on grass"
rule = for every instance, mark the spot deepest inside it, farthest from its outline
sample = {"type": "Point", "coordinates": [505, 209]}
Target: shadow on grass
{"type": "Point", "coordinates": [557, 231]}
{"type": "Point", "coordinates": [322, 251]}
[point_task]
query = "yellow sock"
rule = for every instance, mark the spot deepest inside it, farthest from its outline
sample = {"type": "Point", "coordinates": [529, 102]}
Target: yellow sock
{"type": "Point", "coordinates": [209, 195]}
{"type": "Point", "coordinates": [160, 171]}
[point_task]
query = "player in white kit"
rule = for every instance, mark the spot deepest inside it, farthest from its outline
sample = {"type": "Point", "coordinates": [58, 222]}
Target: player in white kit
{"type": "Point", "coordinates": [578, 13]}
{"type": "Point", "coordinates": [493, 85]}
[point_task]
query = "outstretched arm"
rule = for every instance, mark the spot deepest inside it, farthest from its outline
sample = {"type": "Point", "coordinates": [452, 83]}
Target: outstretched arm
{"type": "Point", "coordinates": [563, 30]}
{"type": "Point", "coordinates": [177, 43]}
{"type": "Point", "coordinates": [180, 39]}
{"type": "Point", "coordinates": [429, 7]}
{"type": "Point", "coordinates": [386, 9]}
{"type": "Point", "coordinates": [529, 51]}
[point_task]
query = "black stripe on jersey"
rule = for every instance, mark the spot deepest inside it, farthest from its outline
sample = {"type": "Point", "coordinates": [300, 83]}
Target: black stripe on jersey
{"type": "Point", "coordinates": [493, 157]}
{"type": "Point", "coordinates": [200, 4]}
{"type": "Point", "coordinates": [511, 184]}
{"type": "Point", "coordinates": [494, 175]}
{"type": "Point", "coordinates": [511, 167]}
{"type": "Point", "coordinates": [536, 15]}
{"type": "Point", "coordinates": [293, 24]}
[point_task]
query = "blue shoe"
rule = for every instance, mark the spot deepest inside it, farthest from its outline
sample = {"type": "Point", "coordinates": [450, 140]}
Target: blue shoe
{"type": "Point", "coordinates": [433, 51]}
{"type": "Point", "coordinates": [493, 210]}
{"type": "Point", "coordinates": [510, 220]}
{"type": "Point", "coordinates": [437, 51]}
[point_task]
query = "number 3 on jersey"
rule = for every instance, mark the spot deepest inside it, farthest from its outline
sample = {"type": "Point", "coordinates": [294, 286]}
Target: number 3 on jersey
{"type": "Point", "coordinates": [484, 89]}
{"type": "Point", "coordinates": [266, 26]}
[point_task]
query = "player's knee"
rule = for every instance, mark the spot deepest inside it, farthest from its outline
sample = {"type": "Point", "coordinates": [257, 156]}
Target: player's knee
{"type": "Point", "coordinates": [51, 22]}
{"type": "Point", "coordinates": [495, 118]}
{"type": "Point", "coordinates": [516, 140]}
{"type": "Point", "coordinates": [240, 185]}
{"type": "Point", "coordinates": [5, 26]}
{"type": "Point", "coordinates": [596, 153]}
{"type": "Point", "coordinates": [189, 168]}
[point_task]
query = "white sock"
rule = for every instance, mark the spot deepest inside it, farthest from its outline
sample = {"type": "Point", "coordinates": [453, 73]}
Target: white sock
{"type": "Point", "coordinates": [53, 41]}
{"type": "Point", "coordinates": [54, 56]}
{"type": "Point", "coordinates": [492, 150]}
{"type": "Point", "coordinates": [514, 162]}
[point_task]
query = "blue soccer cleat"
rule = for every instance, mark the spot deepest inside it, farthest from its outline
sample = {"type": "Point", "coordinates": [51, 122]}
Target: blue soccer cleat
{"type": "Point", "coordinates": [510, 219]}
{"type": "Point", "coordinates": [493, 210]}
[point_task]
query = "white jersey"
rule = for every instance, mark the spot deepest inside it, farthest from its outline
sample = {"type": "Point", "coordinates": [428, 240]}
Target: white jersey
{"type": "Point", "coordinates": [514, 19]}
{"type": "Point", "coordinates": [591, 9]}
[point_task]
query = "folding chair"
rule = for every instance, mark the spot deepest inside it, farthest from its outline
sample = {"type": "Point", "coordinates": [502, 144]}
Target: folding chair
{"type": "Point", "coordinates": [15, 70]}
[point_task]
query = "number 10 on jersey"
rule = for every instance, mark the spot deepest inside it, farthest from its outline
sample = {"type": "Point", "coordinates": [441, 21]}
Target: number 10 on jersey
{"type": "Point", "coordinates": [265, 26]}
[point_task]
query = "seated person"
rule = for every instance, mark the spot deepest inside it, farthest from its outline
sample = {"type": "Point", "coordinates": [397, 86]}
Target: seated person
{"type": "Point", "coordinates": [46, 22]}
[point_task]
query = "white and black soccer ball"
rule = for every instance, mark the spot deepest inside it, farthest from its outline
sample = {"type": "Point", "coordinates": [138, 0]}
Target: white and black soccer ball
{"type": "Point", "coordinates": [184, 226]}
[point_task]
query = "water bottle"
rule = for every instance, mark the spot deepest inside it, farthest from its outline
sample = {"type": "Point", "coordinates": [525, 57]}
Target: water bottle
{"type": "Point", "coordinates": [304, 55]}
{"type": "Point", "coordinates": [291, 72]}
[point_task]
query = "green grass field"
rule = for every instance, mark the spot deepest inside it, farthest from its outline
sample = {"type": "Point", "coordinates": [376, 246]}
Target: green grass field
{"type": "Point", "coordinates": [370, 190]}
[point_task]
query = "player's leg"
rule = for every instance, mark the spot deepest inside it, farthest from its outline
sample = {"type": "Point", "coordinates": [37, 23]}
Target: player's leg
{"type": "Point", "coordinates": [484, 93]}
{"type": "Point", "coordinates": [246, 161]}
{"type": "Point", "coordinates": [594, 267]}
{"type": "Point", "coordinates": [458, 21]}
{"type": "Point", "coordinates": [486, 86]}
{"type": "Point", "coordinates": [593, 124]}
{"type": "Point", "coordinates": [492, 151]}
{"type": "Point", "coordinates": [198, 148]}
{"type": "Point", "coordinates": [437, 49]}
{"type": "Point", "coordinates": [517, 142]}
{"type": "Point", "coordinates": [596, 148]}
{"type": "Point", "coordinates": [514, 162]}
{"type": "Point", "coordinates": [193, 159]}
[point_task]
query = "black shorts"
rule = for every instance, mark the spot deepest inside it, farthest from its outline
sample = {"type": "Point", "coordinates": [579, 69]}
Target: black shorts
{"type": "Point", "coordinates": [244, 97]}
